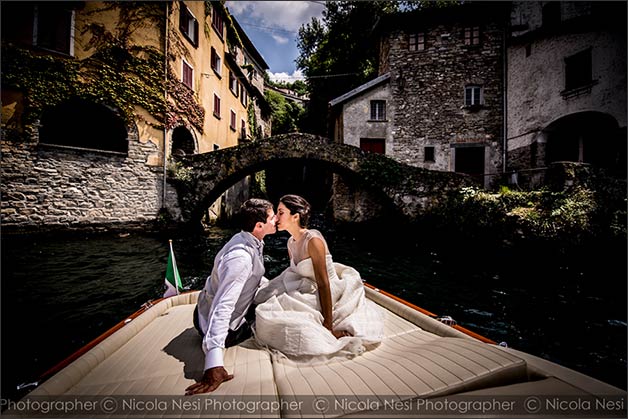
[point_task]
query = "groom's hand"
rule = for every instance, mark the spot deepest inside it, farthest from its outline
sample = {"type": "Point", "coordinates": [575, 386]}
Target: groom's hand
{"type": "Point", "coordinates": [212, 378]}
{"type": "Point", "coordinates": [340, 333]}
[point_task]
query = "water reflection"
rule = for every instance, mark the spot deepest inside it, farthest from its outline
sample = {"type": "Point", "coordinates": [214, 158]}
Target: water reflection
{"type": "Point", "coordinates": [60, 292]}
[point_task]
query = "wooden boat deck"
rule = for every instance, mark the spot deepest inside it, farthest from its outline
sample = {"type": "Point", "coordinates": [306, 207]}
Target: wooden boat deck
{"type": "Point", "coordinates": [159, 353]}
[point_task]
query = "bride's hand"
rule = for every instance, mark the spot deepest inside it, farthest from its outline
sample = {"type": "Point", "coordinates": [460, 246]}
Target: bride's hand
{"type": "Point", "coordinates": [340, 333]}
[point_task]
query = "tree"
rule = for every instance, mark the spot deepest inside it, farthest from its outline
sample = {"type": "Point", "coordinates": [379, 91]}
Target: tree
{"type": "Point", "coordinates": [340, 52]}
{"type": "Point", "coordinates": [286, 115]}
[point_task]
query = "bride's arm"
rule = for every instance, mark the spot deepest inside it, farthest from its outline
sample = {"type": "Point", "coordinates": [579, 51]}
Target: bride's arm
{"type": "Point", "coordinates": [316, 249]}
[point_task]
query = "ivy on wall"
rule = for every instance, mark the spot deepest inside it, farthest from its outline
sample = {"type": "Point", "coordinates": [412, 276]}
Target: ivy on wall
{"type": "Point", "coordinates": [233, 39]}
{"type": "Point", "coordinates": [252, 120]}
{"type": "Point", "coordinates": [185, 105]}
{"type": "Point", "coordinates": [118, 74]}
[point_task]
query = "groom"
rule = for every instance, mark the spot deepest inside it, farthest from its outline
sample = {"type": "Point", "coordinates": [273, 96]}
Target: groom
{"type": "Point", "coordinates": [223, 313]}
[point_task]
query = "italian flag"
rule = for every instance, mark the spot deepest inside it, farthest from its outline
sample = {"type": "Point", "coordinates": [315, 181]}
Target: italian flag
{"type": "Point", "coordinates": [173, 280]}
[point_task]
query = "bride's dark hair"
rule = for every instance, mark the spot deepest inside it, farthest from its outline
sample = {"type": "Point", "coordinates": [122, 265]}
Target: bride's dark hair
{"type": "Point", "coordinates": [297, 205]}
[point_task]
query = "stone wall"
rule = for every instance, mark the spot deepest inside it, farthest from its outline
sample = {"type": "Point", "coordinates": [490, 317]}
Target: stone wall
{"type": "Point", "coordinates": [536, 74]}
{"type": "Point", "coordinates": [428, 92]}
{"type": "Point", "coordinates": [48, 187]}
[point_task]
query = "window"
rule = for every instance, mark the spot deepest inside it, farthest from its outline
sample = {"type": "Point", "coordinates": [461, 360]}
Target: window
{"type": "Point", "coordinates": [233, 83]}
{"type": "Point", "coordinates": [216, 106]}
{"type": "Point", "coordinates": [232, 122]}
{"type": "Point", "coordinates": [49, 26]}
{"type": "Point", "coordinates": [243, 129]}
{"type": "Point", "coordinates": [188, 24]}
{"type": "Point", "coordinates": [378, 110]}
{"type": "Point", "coordinates": [374, 145]}
{"type": "Point", "coordinates": [187, 75]}
{"type": "Point", "coordinates": [416, 41]}
{"type": "Point", "coordinates": [54, 28]}
{"type": "Point", "coordinates": [217, 22]}
{"type": "Point", "coordinates": [216, 62]}
{"type": "Point", "coordinates": [83, 124]}
{"type": "Point", "coordinates": [578, 70]}
{"type": "Point", "coordinates": [428, 154]}
{"type": "Point", "coordinates": [472, 35]}
{"type": "Point", "coordinates": [472, 96]}
{"type": "Point", "coordinates": [244, 97]}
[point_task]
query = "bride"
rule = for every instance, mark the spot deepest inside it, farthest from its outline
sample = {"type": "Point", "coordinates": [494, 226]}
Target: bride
{"type": "Point", "coordinates": [315, 307]}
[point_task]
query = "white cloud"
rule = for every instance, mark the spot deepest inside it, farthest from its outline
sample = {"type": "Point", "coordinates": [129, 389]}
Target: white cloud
{"type": "Point", "coordinates": [280, 39]}
{"type": "Point", "coordinates": [283, 76]}
{"type": "Point", "coordinates": [278, 15]}
{"type": "Point", "coordinates": [273, 27]}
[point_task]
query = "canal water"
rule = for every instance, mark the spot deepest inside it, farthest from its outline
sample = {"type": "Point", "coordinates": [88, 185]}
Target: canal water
{"type": "Point", "coordinates": [568, 306]}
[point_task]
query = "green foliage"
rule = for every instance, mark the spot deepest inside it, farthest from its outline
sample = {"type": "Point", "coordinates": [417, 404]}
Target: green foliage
{"type": "Point", "coordinates": [233, 38]}
{"type": "Point", "coordinates": [339, 53]}
{"type": "Point", "coordinates": [376, 169]}
{"type": "Point", "coordinates": [118, 74]}
{"type": "Point", "coordinates": [252, 120]}
{"type": "Point", "coordinates": [178, 171]}
{"type": "Point", "coordinates": [572, 215]}
{"type": "Point", "coordinates": [258, 185]}
{"type": "Point", "coordinates": [298, 86]}
{"type": "Point", "coordinates": [113, 76]}
{"type": "Point", "coordinates": [286, 114]}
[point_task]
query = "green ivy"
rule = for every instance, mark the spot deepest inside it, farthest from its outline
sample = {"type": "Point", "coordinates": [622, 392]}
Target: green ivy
{"type": "Point", "coordinates": [252, 119]}
{"type": "Point", "coordinates": [233, 38]}
{"type": "Point", "coordinates": [572, 215]}
{"type": "Point", "coordinates": [376, 169]}
{"type": "Point", "coordinates": [118, 74]}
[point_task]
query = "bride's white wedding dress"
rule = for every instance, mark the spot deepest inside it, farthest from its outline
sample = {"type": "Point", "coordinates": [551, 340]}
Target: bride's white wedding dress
{"type": "Point", "coordinates": [289, 318]}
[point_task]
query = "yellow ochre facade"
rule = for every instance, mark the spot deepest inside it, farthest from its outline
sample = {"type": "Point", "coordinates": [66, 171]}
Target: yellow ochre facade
{"type": "Point", "coordinates": [99, 97]}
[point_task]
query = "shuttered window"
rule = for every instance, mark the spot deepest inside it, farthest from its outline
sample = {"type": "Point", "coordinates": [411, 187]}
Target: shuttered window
{"type": "Point", "coordinates": [188, 25]}
{"type": "Point", "coordinates": [187, 75]}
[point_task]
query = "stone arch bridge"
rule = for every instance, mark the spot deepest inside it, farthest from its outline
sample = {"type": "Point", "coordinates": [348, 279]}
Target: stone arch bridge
{"type": "Point", "coordinates": [204, 177]}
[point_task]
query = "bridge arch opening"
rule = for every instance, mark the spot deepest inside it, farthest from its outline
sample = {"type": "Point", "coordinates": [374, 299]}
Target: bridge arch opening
{"type": "Point", "coordinates": [335, 193]}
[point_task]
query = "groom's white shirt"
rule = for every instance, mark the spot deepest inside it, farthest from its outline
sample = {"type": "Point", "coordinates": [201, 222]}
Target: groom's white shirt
{"type": "Point", "coordinates": [228, 293]}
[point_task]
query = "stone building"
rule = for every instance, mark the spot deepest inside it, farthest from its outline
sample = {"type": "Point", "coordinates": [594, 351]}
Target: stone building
{"type": "Point", "coordinates": [498, 89]}
{"type": "Point", "coordinates": [566, 87]}
{"type": "Point", "coordinates": [439, 98]}
{"type": "Point", "coordinates": [97, 97]}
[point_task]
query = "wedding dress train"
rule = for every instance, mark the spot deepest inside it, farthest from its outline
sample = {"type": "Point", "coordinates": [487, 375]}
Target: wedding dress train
{"type": "Point", "coordinates": [289, 318]}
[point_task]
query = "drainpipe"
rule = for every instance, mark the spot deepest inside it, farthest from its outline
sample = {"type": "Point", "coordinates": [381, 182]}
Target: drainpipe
{"type": "Point", "coordinates": [505, 96]}
{"type": "Point", "coordinates": [163, 199]}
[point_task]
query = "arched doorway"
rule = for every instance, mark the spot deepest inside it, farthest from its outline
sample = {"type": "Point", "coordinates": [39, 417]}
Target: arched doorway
{"type": "Point", "coordinates": [81, 123]}
{"type": "Point", "coordinates": [182, 142]}
{"type": "Point", "coordinates": [586, 137]}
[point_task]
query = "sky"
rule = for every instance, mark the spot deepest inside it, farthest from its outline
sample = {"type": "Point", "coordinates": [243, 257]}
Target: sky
{"type": "Point", "coordinates": [273, 27]}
